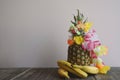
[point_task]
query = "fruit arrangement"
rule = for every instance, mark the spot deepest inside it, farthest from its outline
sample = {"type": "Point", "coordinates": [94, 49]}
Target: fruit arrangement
{"type": "Point", "coordinates": [84, 50]}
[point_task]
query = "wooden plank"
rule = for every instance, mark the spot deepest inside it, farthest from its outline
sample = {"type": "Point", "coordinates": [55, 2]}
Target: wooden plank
{"type": "Point", "coordinates": [46, 74]}
{"type": "Point", "coordinates": [8, 73]}
{"type": "Point", "coordinates": [40, 74]}
{"type": "Point", "coordinates": [113, 74]}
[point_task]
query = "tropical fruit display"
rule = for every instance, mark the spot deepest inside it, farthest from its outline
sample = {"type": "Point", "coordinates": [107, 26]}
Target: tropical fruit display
{"type": "Point", "coordinates": [84, 50]}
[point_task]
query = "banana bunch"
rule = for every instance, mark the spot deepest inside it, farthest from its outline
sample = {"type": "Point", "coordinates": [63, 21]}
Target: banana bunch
{"type": "Point", "coordinates": [67, 66]}
{"type": "Point", "coordinates": [80, 71]}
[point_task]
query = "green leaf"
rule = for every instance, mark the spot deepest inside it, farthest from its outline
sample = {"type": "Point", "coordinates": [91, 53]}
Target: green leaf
{"type": "Point", "coordinates": [85, 20]}
{"type": "Point", "coordinates": [73, 23]}
{"type": "Point", "coordinates": [78, 15]}
{"type": "Point", "coordinates": [75, 18]}
{"type": "Point", "coordinates": [82, 16]}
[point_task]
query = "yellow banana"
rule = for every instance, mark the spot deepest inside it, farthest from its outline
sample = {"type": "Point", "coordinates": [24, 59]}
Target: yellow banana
{"type": "Point", "coordinates": [88, 69]}
{"type": "Point", "coordinates": [63, 73]}
{"type": "Point", "coordinates": [67, 66]}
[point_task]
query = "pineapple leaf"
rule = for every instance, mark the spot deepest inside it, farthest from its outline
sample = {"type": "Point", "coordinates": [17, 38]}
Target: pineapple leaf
{"type": "Point", "coordinates": [78, 15]}
{"type": "Point", "coordinates": [75, 18]}
{"type": "Point", "coordinates": [81, 17]}
{"type": "Point", "coordinates": [73, 23]}
{"type": "Point", "coordinates": [85, 20]}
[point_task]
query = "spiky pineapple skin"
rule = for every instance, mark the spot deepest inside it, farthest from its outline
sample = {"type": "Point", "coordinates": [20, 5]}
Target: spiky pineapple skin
{"type": "Point", "coordinates": [77, 55]}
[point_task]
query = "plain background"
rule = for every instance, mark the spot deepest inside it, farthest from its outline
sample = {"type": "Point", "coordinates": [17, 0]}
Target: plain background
{"type": "Point", "coordinates": [34, 33]}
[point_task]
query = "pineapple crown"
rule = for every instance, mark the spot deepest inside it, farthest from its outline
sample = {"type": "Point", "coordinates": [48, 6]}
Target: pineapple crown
{"type": "Point", "coordinates": [79, 26]}
{"type": "Point", "coordinates": [79, 18]}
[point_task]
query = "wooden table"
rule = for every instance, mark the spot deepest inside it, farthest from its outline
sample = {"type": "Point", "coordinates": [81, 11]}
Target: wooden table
{"type": "Point", "coordinates": [51, 74]}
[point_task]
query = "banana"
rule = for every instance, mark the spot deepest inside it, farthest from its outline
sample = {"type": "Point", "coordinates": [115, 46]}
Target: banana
{"type": "Point", "coordinates": [88, 69]}
{"type": "Point", "coordinates": [67, 66]}
{"type": "Point", "coordinates": [63, 73]}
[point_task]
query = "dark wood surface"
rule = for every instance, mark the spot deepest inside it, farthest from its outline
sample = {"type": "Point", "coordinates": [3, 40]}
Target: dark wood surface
{"type": "Point", "coordinates": [51, 74]}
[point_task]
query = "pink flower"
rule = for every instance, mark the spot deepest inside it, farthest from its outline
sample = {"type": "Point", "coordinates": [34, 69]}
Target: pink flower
{"type": "Point", "coordinates": [91, 40]}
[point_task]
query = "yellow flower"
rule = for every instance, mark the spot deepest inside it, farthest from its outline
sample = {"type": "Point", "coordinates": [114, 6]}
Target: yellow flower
{"type": "Point", "coordinates": [87, 26]}
{"type": "Point", "coordinates": [78, 40]}
{"type": "Point", "coordinates": [101, 50]}
{"type": "Point", "coordinates": [104, 70]}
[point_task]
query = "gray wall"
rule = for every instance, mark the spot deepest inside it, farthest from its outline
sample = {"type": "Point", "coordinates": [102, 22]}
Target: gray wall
{"type": "Point", "coordinates": [33, 33]}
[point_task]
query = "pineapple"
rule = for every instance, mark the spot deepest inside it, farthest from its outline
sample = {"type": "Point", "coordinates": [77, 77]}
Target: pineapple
{"type": "Point", "coordinates": [79, 56]}
{"type": "Point", "coordinates": [76, 54]}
